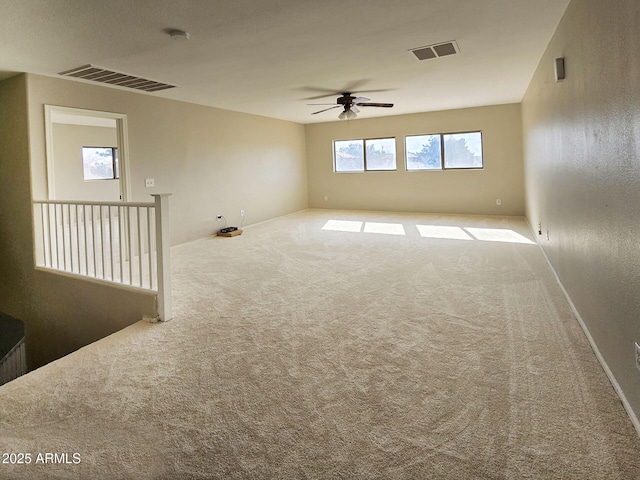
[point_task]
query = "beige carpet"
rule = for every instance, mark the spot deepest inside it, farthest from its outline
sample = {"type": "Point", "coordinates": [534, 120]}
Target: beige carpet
{"type": "Point", "coordinates": [372, 348]}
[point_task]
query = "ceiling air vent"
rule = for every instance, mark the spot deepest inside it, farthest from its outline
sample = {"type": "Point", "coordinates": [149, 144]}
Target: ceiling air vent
{"type": "Point", "coordinates": [437, 50]}
{"type": "Point", "coordinates": [97, 74]}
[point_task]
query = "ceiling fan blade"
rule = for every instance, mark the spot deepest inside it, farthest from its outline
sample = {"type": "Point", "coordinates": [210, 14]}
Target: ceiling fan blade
{"type": "Point", "coordinates": [322, 92]}
{"type": "Point", "coordinates": [385, 105]}
{"type": "Point", "coordinates": [353, 86]}
{"type": "Point", "coordinates": [330, 108]}
{"type": "Point", "coordinates": [313, 89]}
{"type": "Point", "coordinates": [375, 91]}
{"type": "Point", "coordinates": [317, 97]}
{"type": "Point", "coordinates": [334, 103]}
{"type": "Point", "coordinates": [358, 100]}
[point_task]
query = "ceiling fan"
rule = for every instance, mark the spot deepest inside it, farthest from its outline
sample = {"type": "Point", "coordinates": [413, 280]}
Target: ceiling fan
{"type": "Point", "coordinates": [350, 105]}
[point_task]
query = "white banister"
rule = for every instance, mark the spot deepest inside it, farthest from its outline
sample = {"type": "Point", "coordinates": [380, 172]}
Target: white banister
{"type": "Point", "coordinates": [163, 251]}
{"type": "Point", "coordinates": [121, 242]}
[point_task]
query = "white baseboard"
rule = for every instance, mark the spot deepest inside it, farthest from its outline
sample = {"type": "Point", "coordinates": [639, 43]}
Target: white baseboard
{"type": "Point", "coordinates": [594, 346]}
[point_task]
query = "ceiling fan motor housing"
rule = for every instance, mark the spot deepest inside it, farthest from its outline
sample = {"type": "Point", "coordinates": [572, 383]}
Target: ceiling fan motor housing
{"type": "Point", "coordinates": [345, 99]}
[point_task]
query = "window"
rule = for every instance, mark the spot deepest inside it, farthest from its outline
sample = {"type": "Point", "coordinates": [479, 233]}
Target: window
{"type": "Point", "coordinates": [423, 152]}
{"type": "Point", "coordinates": [349, 155]}
{"type": "Point", "coordinates": [380, 154]}
{"type": "Point", "coordinates": [100, 163]}
{"type": "Point", "coordinates": [463, 150]}
{"type": "Point", "coordinates": [444, 151]}
{"type": "Point", "coordinates": [377, 154]}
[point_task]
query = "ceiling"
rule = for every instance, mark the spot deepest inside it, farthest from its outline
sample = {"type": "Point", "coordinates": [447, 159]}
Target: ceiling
{"type": "Point", "coordinates": [268, 57]}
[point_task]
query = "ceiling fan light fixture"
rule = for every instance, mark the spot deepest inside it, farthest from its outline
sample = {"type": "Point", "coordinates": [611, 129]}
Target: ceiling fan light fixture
{"type": "Point", "coordinates": [347, 114]}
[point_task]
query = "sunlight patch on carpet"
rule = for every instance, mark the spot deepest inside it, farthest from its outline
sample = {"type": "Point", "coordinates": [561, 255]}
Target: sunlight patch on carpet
{"type": "Point", "coordinates": [342, 226]}
{"type": "Point", "coordinates": [498, 235]}
{"type": "Point", "coordinates": [384, 228]}
{"type": "Point", "coordinates": [369, 227]}
{"type": "Point", "coordinates": [444, 232]}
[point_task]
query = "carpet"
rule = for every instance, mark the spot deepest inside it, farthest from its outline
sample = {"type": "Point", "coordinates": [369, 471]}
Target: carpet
{"type": "Point", "coordinates": [336, 344]}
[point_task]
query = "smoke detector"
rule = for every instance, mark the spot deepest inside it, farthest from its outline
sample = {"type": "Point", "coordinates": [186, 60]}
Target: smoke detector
{"type": "Point", "coordinates": [179, 35]}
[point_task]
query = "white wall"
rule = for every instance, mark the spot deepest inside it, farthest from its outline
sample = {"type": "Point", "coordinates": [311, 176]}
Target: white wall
{"type": "Point", "coordinates": [582, 155]}
{"type": "Point", "coordinates": [451, 191]}
{"type": "Point", "coordinates": [68, 141]}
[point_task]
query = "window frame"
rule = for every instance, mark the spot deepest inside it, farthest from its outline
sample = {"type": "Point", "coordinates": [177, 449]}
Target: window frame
{"type": "Point", "coordinates": [443, 166]}
{"type": "Point", "coordinates": [406, 153]}
{"type": "Point", "coordinates": [364, 155]}
{"type": "Point", "coordinates": [481, 167]}
{"type": "Point", "coordinates": [114, 164]}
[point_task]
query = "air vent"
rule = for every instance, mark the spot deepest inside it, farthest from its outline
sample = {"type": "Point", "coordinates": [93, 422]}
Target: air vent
{"type": "Point", "coordinates": [437, 50]}
{"type": "Point", "coordinates": [97, 74]}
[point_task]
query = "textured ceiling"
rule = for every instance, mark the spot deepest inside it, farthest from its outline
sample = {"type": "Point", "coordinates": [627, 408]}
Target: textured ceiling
{"type": "Point", "coordinates": [267, 57]}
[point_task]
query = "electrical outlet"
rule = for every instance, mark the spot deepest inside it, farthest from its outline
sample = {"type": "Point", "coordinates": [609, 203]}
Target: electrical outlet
{"type": "Point", "coordinates": [548, 234]}
{"type": "Point", "coordinates": [242, 212]}
{"type": "Point", "coordinates": [540, 228]}
{"type": "Point", "coordinates": [637, 356]}
{"type": "Point", "coordinates": [149, 182]}
{"type": "Point", "coordinates": [498, 202]}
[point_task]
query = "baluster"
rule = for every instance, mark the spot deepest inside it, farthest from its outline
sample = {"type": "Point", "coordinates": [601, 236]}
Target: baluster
{"type": "Point", "coordinates": [64, 235]}
{"type": "Point", "coordinates": [102, 240]}
{"type": "Point", "coordinates": [149, 248]}
{"type": "Point", "coordinates": [55, 213]}
{"type": "Point", "coordinates": [44, 235]}
{"type": "Point", "coordinates": [93, 241]}
{"type": "Point", "coordinates": [78, 239]}
{"type": "Point", "coordinates": [120, 241]}
{"type": "Point", "coordinates": [137, 210]}
{"type": "Point", "coordinates": [86, 245]}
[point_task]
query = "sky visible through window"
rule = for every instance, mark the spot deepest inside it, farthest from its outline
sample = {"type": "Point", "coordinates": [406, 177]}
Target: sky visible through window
{"type": "Point", "coordinates": [461, 150]}
{"type": "Point", "coordinates": [99, 163]}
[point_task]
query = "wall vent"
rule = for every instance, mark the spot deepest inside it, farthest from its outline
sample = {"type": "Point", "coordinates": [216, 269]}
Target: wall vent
{"type": "Point", "coordinates": [102, 75]}
{"type": "Point", "coordinates": [436, 50]}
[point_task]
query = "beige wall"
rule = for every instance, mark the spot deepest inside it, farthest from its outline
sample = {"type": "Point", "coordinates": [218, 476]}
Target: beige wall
{"type": "Point", "coordinates": [68, 141]}
{"type": "Point", "coordinates": [582, 155]}
{"type": "Point", "coordinates": [452, 191]}
{"type": "Point", "coordinates": [213, 161]}
{"type": "Point", "coordinates": [16, 260]}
